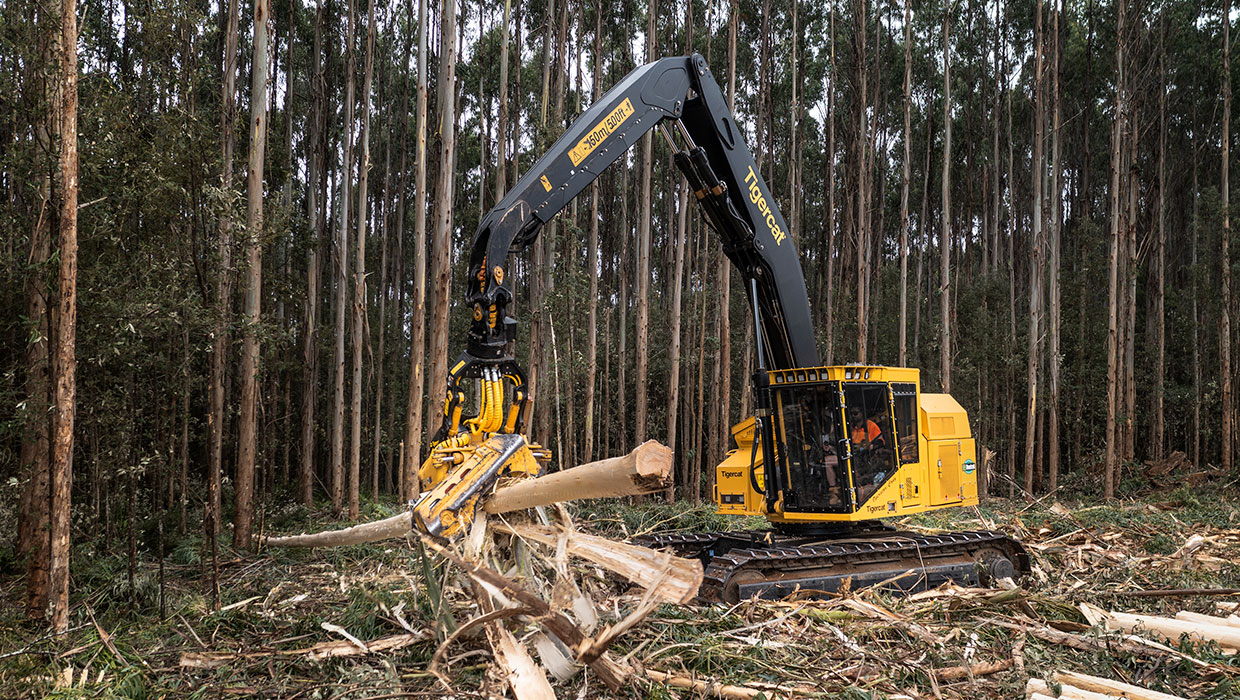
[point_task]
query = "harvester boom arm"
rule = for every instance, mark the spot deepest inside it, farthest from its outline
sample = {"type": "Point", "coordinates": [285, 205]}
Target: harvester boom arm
{"type": "Point", "coordinates": [720, 169]}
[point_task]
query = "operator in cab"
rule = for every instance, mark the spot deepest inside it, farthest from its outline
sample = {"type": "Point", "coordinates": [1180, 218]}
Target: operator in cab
{"type": "Point", "coordinates": [865, 432]}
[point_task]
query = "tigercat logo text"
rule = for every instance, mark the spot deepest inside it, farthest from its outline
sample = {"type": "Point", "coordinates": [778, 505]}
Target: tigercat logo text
{"type": "Point", "coordinates": [601, 131]}
{"type": "Point", "coordinates": [756, 196]}
{"type": "Point", "coordinates": [732, 475]}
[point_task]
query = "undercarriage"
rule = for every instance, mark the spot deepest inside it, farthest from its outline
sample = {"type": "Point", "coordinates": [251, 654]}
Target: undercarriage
{"type": "Point", "coordinates": [775, 564]}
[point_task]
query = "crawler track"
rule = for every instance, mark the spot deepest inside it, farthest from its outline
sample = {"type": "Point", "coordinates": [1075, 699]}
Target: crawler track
{"type": "Point", "coordinates": [740, 564]}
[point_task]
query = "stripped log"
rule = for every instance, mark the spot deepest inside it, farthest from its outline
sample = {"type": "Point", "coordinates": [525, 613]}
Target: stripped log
{"type": "Point", "coordinates": [1037, 686]}
{"type": "Point", "coordinates": [646, 469]}
{"type": "Point", "coordinates": [1226, 636]}
{"type": "Point", "coordinates": [1106, 686]}
{"type": "Point", "coordinates": [1232, 621]}
{"type": "Point", "coordinates": [677, 578]}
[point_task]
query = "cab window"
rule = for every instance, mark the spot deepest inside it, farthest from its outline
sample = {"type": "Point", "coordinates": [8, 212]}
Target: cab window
{"type": "Point", "coordinates": [870, 435]}
{"type": "Point", "coordinates": [905, 396]}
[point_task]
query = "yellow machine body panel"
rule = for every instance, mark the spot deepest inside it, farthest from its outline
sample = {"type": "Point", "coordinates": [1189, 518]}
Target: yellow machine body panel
{"type": "Point", "coordinates": [860, 443]}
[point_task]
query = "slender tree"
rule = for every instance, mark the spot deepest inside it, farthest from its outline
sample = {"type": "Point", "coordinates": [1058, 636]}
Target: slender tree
{"type": "Point", "coordinates": [341, 272]}
{"type": "Point", "coordinates": [945, 240]}
{"type": "Point", "coordinates": [223, 289]}
{"type": "Point", "coordinates": [904, 180]}
{"type": "Point", "coordinates": [1110, 466]}
{"type": "Point", "coordinates": [310, 353]}
{"type": "Point", "coordinates": [248, 424]}
{"type": "Point", "coordinates": [359, 273]}
{"type": "Point", "coordinates": [33, 524]}
{"type": "Point", "coordinates": [66, 323]}
{"type": "Point", "coordinates": [643, 259]}
{"type": "Point", "coordinates": [592, 255]}
{"type": "Point", "coordinates": [417, 380]}
{"type": "Point", "coordinates": [1056, 228]}
{"type": "Point", "coordinates": [1224, 330]}
{"type": "Point", "coordinates": [441, 240]}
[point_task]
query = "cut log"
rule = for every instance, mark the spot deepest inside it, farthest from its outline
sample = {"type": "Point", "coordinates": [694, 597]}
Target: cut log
{"type": "Point", "coordinates": [646, 469]}
{"type": "Point", "coordinates": [386, 529]}
{"type": "Point", "coordinates": [984, 668]}
{"type": "Point", "coordinates": [1071, 692]}
{"type": "Point", "coordinates": [731, 692]}
{"type": "Point", "coordinates": [526, 678]}
{"type": "Point", "coordinates": [1107, 686]}
{"type": "Point", "coordinates": [1172, 629]}
{"type": "Point", "coordinates": [678, 579]}
{"type": "Point", "coordinates": [1187, 616]}
{"type": "Point", "coordinates": [1066, 692]}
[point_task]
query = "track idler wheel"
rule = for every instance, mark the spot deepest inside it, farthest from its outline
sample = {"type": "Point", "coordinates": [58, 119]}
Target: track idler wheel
{"type": "Point", "coordinates": [994, 566]}
{"type": "Point", "coordinates": [731, 589]}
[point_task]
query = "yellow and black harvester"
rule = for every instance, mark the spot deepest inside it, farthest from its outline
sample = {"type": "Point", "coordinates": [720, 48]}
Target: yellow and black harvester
{"type": "Point", "coordinates": [830, 450]}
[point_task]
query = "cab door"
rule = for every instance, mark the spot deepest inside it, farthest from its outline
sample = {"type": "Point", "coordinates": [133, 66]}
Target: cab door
{"type": "Point", "coordinates": [912, 473]}
{"type": "Point", "coordinates": [869, 431]}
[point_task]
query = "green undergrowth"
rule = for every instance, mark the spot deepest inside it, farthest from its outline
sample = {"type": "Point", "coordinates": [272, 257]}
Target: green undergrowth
{"type": "Point", "coordinates": [122, 646]}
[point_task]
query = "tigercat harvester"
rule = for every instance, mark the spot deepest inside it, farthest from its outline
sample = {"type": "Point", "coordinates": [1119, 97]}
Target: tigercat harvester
{"type": "Point", "coordinates": [829, 451]}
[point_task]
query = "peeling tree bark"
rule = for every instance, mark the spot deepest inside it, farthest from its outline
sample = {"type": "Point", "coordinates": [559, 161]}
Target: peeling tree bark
{"type": "Point", "coordinates": [66, 323]}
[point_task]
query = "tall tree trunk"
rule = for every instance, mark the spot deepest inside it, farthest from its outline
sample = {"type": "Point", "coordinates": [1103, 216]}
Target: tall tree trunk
{"type": "Point", "coordinates": [1038, 244]}
{"type": "Point", "coordinates": [417, 351]}
{"type": "Point", "coordinates": [382, 220]}
{"type": "Point", "coordinates": [1053, 295]}
{"type": "Point", "coordinates": [359, 274]}
{"type": "Point", "coordinates": [591, 256]}
{"type": "Point", "coordinates": [945, 241]}
{"type": "Point", "coordinates": [643, 259]}
{"type": "Point", "coordinates": [1110, 467]}
{"type": "Point", "coordinates": [864, 185]}
{"type": "Point", "coordinates": [1224, 330]}
{"type": "Point", "coordinates": [441, 238]}
{"type": "Point", "coordinates": [66, 323]}
{"type": "Point", "coordinates": [1130, 319]}
{"type": "Point", "coordinates": [829, 282]}
{"type": "Point", "coordinates": [1196, 310]}
{"type": "Point", "coordinates": [1195, 227]}
{"type": "Point", "coordinates": [310, 353]}
{"type": "Point", "coordinates": [341, 275]}
{"type": "Point", "coordinates": [223, 291]}
{"type": "Point", "coordinates": [904, 181]}
{"type": "Point", "coordinates": [1160, 309]}
{"type": "Point", "coordinates": [502, 132]}
{"type": "Point", "coordinates": [33, 534]}
{"type": "Point", "coordinates": [673, 373]}
{"type": "Point", "coordinates": [248, 425]}
{"type": "Point", "coordinates": [1011, 265]}
{"type": "Point", "coordinates": [721, 388]}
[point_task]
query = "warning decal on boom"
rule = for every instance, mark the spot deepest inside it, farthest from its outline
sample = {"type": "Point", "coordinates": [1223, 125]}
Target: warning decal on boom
{"type": "Point", "coordinates": [601, 131]}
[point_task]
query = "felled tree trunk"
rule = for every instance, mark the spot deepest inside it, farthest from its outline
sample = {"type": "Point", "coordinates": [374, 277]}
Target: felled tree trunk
{"type": "Point", "coordinates": [646, 469]}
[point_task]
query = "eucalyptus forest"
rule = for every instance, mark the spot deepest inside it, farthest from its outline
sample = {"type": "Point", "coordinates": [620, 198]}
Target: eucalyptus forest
{"type": "Point", "coordinates": [235, 238]}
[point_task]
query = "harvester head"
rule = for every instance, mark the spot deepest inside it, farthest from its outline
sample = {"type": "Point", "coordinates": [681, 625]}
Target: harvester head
{"type": "Point", "coordinates": [471, 453]}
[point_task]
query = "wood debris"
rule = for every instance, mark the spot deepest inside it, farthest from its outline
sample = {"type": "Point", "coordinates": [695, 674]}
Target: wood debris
{"type": "Point", "coordinates": [1080, 686]}
{"type": "Point", "coordinates": [323, 650]}
{"type": "Point", "coordinates": [1197, 627]}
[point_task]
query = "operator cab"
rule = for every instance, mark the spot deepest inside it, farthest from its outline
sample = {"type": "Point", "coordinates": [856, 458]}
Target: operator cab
{"type": "Point", "coordinates": [851, 444]}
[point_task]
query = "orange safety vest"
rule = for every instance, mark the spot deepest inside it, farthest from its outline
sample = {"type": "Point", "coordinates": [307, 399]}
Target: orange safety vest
{"type": "Point", "coordinates": [859, 433]}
